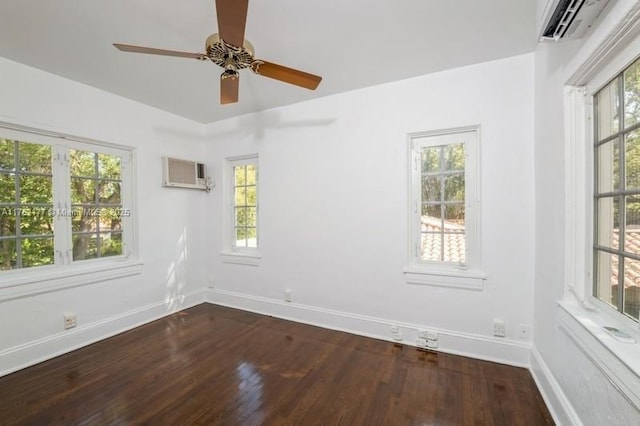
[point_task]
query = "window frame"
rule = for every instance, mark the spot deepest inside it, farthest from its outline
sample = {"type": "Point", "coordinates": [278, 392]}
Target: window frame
{"type": "Point", "coordinates": [231, 253]}
{"type": "Point", "coordinates": [579, 92]}
{"type": "Point", "coordinates": [65, 272]}
{"type": "Point", "coordinates": [619, 136]}
{"type": "Point", "coordinates": [445, 274]}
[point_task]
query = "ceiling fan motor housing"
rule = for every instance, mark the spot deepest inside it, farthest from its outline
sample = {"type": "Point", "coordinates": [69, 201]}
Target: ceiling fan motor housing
{"type": "Point", "coordinates": [227, 56]}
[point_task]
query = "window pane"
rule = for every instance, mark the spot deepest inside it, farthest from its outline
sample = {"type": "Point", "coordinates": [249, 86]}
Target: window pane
{"type": "Point", "coordinates": [36, 189]}
{"type": "Point", "coordinates": [632, 94]}
{"type": "Point", "coordinates": [37, 252]}
{"type": "Point", "coordinates": [431, 246]}
{"type": "Point", "coordinates": [109, 192]}
{"type": "Point", "coordinates": [454, 247]}
{"type": "Point", "coordinates": [241, 216]}
{"type": "Point", "coordinates": [34, 158]}
{"type": "Point", "coordinates": [251, 196]}
{"type": "Point", "coordinates": [83, 191]}
{"type": "Point", "coordinates": [252, 239]}
{"type": "Point", "coordinates": [607, 277]}
{"type": "Point", "coordinates": [632, 222]}
{"type": "Point", "coordinates": [85, 246]}
{"type": "Point", "coordinates": [432, 215]}
{"type": "Point", "coordinates": [36, 221]}
{"type": "Point", "coordinates": [632, 160]}
{"type": "Point", "coordinates": [431, 188]}
{"type": "Point", "coordinates": [241, 237]}
{"type": "Point", "coordinates": [454, 157]}
{"type": "Point", "coordinates": [83, 163]}
{"type": "Point", "coordinates": [240, 197]}
{"type": "Point", "coordinates": [82, 222]}
{"type": "Point", "coordinates": [7, 222]}
{"type": "Point", "coordinates": [110, 220]}
{"type": "Point", "coordinates": [110, 244]}
{"type": "Point", "coordinates": [240, 175]}
{"type": "Point", "coordinates": [430, 159]}
{"type": "Point", "coordinates": [6, 154]}
{"type": "Point", "coordinates": [608, 222]}
{"type": "Point", "coordinates": [8, 254]}
{"type": "Point", "coordinates": [454, 218]}
{"type": "Point", "coordinates": [7, 188]}
{"type": "Point", "coordinates": [632, 287]}
{"type": "Point", "coordinates": [251, 216]}
{"type": "Point", "coordinates": [608, 173]}
{"type": "Point", "coordinates": [608, 110]}
{"type": "Point", "coordinates": [454, 188]}
{"type": "Point", "coordinates": [108, 166]}
{"type": "Point", "coordinates": [251, 175]}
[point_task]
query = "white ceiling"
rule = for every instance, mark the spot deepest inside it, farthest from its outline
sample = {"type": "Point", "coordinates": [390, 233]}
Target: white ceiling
{"type": "Point", "coordinates": [351, 43]}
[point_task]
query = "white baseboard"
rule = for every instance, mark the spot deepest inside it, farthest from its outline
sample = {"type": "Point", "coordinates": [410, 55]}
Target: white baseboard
{"type": "Point", "coordinates": [559, 406]}
{"type": "Point", "coordinates": [19, 357]}
{"type": "Point", "coordinates": [487, 348]}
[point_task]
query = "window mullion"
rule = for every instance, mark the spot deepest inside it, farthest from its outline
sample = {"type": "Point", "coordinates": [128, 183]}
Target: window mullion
{"type": "Point", "coordinates": [61, 204]}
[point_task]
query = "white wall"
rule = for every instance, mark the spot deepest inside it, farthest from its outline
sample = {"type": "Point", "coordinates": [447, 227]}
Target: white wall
{"type": "Point", "coordinates": [170, 220]}
{"type": "Point", "coordinates": [333, 194]}
{"type": "Point", "coordinates": [590, 396]}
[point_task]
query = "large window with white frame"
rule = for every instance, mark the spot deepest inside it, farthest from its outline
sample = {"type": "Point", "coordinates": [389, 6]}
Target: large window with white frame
{"type": "Point", "coordinates": [444, 195]}
{"type": "Point", "coordinates": [63, 203]}
{"type": "Point", "coordinates": [616, 256]}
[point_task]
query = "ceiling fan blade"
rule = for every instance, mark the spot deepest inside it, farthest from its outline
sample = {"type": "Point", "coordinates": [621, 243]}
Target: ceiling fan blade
{"type": "Point", "coordinates": [152, 51]}
{"type": "Point", "coordinates": [285, 74]}
{"type": "Point", "coordinates": [232, 19]}
{"type": "Point", "coordinates": [229, 89]}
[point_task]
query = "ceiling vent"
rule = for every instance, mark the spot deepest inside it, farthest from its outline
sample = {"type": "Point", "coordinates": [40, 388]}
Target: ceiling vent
{"type": "Point", "coordinates": [569, 19]}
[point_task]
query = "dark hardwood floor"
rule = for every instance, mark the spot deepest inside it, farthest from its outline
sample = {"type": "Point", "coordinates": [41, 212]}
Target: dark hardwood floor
{"type": "Point", "coordinates": [215, 365]}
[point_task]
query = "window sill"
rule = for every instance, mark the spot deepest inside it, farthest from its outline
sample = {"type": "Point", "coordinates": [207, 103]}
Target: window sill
{"type": "Point", "coordinates": [460, 279]}
{"type": "Point", "coordinates": [619, 361]}
{"type": "Point", "coordinates": [238, 258]}
{"type": "Point", "coordinates": [21, 283]}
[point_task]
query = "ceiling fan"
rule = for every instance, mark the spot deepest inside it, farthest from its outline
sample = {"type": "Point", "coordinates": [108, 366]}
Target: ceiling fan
{"type": "Point", "coordinates": [231, 51]}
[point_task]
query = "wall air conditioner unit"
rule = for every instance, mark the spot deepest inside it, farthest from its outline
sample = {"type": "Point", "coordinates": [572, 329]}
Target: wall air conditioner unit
{"type": "Point", "coordinates": [569, 19]}
{"type": "Point", "coordinates": [178, 173]}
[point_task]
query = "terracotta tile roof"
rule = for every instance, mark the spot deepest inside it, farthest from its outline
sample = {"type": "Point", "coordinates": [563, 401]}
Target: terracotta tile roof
{"type": "Point", "coordinates": [632, 269]}
{"type": "Point", "coordinates": [454, 239]}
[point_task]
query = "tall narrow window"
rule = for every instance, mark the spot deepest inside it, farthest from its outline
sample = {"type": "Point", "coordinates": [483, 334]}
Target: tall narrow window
{"type": "Point", "coordinates": [244, 176]}
{"type": "Point", "coordinates": [26, 201]}
{"type": "Point", "coordinates": [444, 186]}
{"type": "Point", "coordinates": [617, 193]}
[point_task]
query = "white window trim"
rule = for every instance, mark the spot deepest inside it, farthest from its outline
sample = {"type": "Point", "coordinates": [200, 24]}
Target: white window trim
{"type": "Point", "coordinates": [27, 282]}
{"type": "Point", "coordinates": [249, 256]}
{"type": "Point", "coordinates": [620, 362]}
{"type": "Point", "coordinates": [438, 274]}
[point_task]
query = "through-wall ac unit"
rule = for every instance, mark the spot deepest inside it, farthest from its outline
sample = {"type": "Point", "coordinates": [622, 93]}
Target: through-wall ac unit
{"type": "Point", "coordinates": [569, 19]}
{"type": "Point", "coordinates": [179, 173]}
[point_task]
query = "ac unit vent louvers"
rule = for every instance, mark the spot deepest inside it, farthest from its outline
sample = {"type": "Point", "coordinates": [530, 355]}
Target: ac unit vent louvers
{"type": "Point", "coordinates": [570, 19]}
{"type": "Point", "coordinates": [184, 174]}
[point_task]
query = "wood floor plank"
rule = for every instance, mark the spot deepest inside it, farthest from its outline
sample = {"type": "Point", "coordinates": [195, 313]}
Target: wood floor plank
{"type": "Point", "coordinates": [216, 365]}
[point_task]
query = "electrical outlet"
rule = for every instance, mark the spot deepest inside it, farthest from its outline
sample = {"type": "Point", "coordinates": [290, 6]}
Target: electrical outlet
{"type": "Point", "coordinates": [524, 331]}
{"type": "Point", "coordinates": [396, 334]}
{"type": "Point", "coordinates": [432, 344]}
{"type": "Point", "coordinates": [499, 329]}
{"type": "Point", "coordinates": [70, 320]}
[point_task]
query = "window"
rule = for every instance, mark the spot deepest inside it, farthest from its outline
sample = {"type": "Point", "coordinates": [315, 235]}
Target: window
{"type": "Point", "coordinates": [443, 211]}
{"type": "Point", "coordinates": [242, 198]}
{"type": "Point", "coordinates": [617, 193]}
{"type": "Point", "coordinates": [63, 202]}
